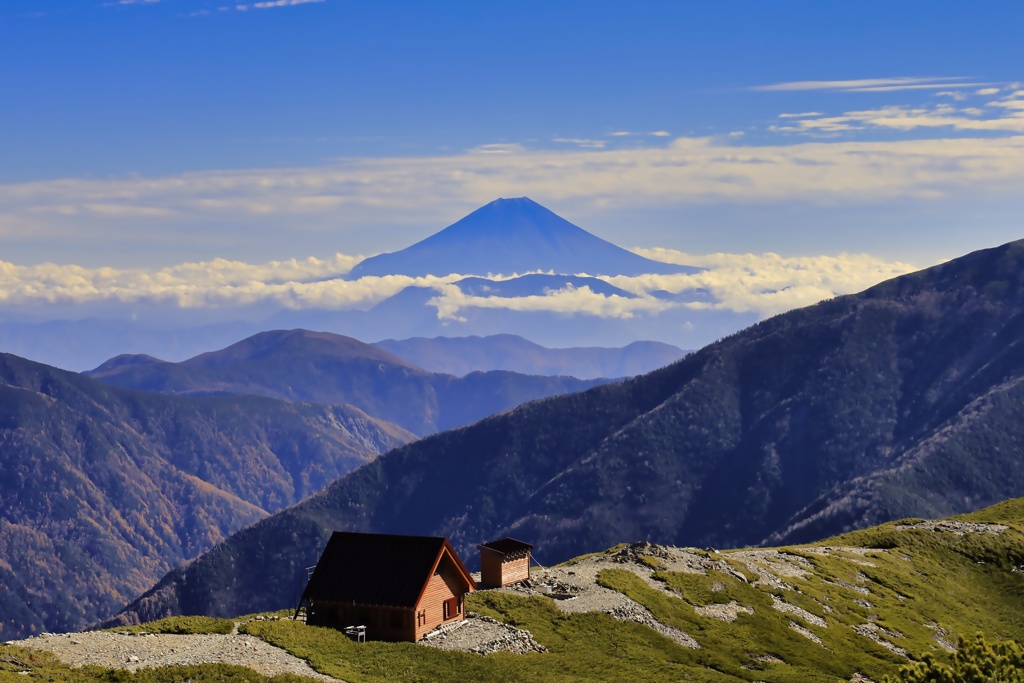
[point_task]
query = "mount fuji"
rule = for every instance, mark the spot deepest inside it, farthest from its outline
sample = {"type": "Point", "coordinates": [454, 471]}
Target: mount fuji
{"type": "Point", "coordinates": [546, 266]}
{"type": "Point", "coordinates": [512, 236]}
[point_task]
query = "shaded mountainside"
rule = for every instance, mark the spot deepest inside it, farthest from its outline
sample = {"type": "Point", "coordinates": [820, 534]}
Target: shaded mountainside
{"type": "Point", "coordinates": [320, 367]}
{"type": "Point", "coordinates": [903, 400]}
{"type": "Point", "coordinates": [102, 489]}
{"type": "Point", "coordinates": [512, 236]}
{"type": "Point", "coordinates": [462, 355]}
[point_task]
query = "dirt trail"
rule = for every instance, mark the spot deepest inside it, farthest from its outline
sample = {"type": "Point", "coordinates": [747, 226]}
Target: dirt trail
{"type": "Point", "coordinates": [134, 652]}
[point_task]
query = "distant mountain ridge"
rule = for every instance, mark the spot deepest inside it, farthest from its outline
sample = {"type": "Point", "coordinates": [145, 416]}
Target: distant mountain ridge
{"type": "Point", "coordinates": [104, 489]}
{"type": "Point", "coordinates": [904, 400]}
{"type": "Point", "coordinates": [463, 355]}
{"type": "Point", "coordinates": [512, 236]}
{"type": "Point", "coordinates": [320, 367]}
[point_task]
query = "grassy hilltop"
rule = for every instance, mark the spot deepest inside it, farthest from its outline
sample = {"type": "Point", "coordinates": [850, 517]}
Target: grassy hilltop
{"type": "Point", "coordinates": [853, 607]}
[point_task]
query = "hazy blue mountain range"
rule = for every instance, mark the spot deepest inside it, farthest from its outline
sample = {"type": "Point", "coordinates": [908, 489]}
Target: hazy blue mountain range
{"type": "Point", "coordinates": [408, 314]}
{"type": "Point", "coordinates": [319, 367]}
{"type": "Point", "coordinates": [83, 344]}
{"type": "Point", "coordinates": [463, 355]}
{"type": "Point", "coordinates": [508, 236]}
{"type": "Point", "coordinates": [512, 236]}
{"type": "Point", "coordinates": [102, 489]}
{"type": "Point", "coordinates": [904, 400]}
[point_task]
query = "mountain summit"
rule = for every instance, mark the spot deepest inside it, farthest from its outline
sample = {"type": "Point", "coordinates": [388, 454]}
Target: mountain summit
{"type": "Point", "coordinates": [512, 236]}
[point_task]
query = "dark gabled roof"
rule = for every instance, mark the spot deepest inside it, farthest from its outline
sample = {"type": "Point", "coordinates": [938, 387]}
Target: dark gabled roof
{"type": "Point", "coordinates": [507, 546]}
{"type": "Point", "coordinates": [378, 569]}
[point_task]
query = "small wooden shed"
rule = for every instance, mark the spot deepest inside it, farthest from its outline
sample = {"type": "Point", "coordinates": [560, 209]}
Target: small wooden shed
{"type": "Point", "coordinates": [504, 562]}
{"type": "Point", "coordinates": [398, 587]}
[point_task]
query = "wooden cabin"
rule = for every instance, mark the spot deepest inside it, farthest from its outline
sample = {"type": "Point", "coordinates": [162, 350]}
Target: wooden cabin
{"type": "Point", "coordinates": [398, 587]}
{"type": "Point", "coordinates": [504, 562]}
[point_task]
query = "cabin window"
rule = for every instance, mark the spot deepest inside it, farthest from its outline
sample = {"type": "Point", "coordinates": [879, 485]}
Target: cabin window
{"type": "Point", "coordinates": [421, 617]}
{"type": "Point", "coordinates": [452, 608]}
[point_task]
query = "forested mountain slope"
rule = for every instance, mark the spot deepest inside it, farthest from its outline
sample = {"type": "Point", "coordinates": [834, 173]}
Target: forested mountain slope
{"type": "Point", "coordinates": [102, 489]}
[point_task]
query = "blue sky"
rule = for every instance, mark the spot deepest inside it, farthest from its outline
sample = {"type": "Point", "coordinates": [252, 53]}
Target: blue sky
{"type": "Point", "coordinates": [150, 134]}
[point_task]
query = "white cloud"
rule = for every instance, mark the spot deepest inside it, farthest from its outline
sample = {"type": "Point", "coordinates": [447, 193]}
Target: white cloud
{"type": "Point", "coordinates": [987, 91]}
{"type": "Point", "coordinates": [908, 118]}
{"type": "Point", "coordinates": [761, 283]}
{"type": "Point", "coordinates": [498, 148]}
{"type": "Point", "coordinates": [584, 143]}
{"type": "Point", "coordinates": [283, 3]}
{"type": "Point", "coordinates": [570, 300]}
{"type": "Point", "coordinates": [291, 284]}
{"type": "Point", "coordinates": [870, 84]}
{"type": "Point", "coordinates": [801, 115]}
{"type": "Point", "coordinates": [424, 191]}
{"type": "Point", "coordinates": [765, 284]}
{"type": "Point", "coordinates": [920, 86]}
{"type": "Point", "coordinates": [628, 133]}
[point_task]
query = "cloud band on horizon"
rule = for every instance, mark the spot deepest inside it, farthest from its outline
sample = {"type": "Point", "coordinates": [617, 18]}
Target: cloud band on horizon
{"type": "Point", "coordinates": [764, 284]}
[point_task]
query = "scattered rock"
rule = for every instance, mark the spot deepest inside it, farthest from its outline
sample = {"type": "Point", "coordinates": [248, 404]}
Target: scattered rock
{"type": "Point", "coordinates": [942, 638]}
{"type": "Point", "coordinates": [575, 588]}
{"type": "Point", "coordinates": [805, 633]}
{"type": "Point", "coordinates": [956, 527]}
{"type": "Point", "coordinates": [863, 590]}
{"type": "Point", "coordinates": [723, 612]}
{"type": "Point", "coordinates": [635, 552]}
{"type": "Point", "coordinates": [812, 619]}
{"type": "Point", "coordinates": [872, 631]}
{"type": "Point", "coordinates": [482, 635]}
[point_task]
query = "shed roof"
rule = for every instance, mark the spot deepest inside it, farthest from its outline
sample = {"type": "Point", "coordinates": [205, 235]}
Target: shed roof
{"type": "Point", "coordinates": [379, 569]}
{"type": "Point", "coordinates": [506, 546]}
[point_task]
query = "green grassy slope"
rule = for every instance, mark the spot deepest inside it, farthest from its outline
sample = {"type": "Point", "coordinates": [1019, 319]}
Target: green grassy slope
{"type": "Point", "coordinates": [866, 596]}
{"type": "Point", "coordinates": [910, 587]}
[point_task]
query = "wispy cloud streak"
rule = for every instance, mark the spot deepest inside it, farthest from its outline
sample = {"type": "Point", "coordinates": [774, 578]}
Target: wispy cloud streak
{"type": "Point", "coordinates": [689, 170]}
{"type": "Point", "coordinates": [872, 84]}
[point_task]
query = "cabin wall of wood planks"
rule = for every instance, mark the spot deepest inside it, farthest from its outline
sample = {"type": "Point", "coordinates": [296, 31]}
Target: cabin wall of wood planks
{"type": "Point", "coordinates": [443, 586]}
{"type": "Point", "coordinates": [495, 572]}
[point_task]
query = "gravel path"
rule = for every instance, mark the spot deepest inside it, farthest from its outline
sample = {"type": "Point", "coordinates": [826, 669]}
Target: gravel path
{"type": "Point", "coordinates": [134, 652]}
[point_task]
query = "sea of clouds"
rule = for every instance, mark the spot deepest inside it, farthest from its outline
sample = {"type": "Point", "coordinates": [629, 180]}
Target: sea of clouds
{"type": "Point", "coordinates": [764, 284]}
